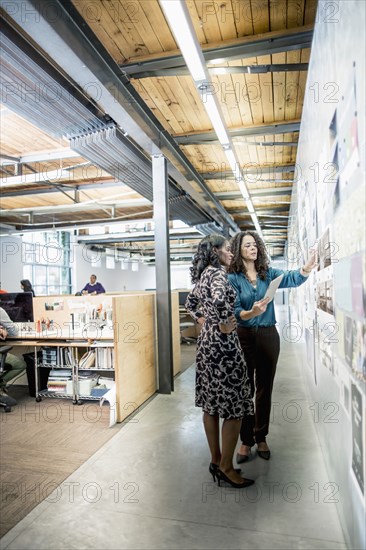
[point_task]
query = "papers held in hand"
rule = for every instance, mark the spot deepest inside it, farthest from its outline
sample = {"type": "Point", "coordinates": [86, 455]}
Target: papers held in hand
{"type": "Point", "coordinates": [273, 286]}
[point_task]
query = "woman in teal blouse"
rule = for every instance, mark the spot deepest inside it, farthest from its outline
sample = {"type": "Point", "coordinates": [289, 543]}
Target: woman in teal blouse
{"type": "Point", "coordinates": [251, 275]}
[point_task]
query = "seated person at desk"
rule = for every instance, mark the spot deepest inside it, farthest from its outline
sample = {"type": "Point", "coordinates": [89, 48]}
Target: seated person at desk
{"type": "Point", "coordinates": [14, 366]}
{"type": "Point", "coordinates": [93, 287]}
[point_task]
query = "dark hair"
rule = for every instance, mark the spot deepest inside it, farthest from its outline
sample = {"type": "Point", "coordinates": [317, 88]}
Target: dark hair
{"type": "Point", "coordinates": [27, 286]}
{"type": "Point", "coordinates": [206, 255]}
{"type": "Point", "coordinates": [237, 264]}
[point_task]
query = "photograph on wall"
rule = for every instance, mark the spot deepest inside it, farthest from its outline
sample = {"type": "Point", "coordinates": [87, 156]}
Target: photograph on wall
{"type": "Point", "coordinates": [359, 349]}
{"type": "Point", "coordinates": [341, 375]}
{"type": "Point", "coordinates": [349, 224]}
{"type": "Point", "coordinates": [358, 456]}
{"type": "Point", "coordinates": [325, 296]}
{"type": "Point", "coordinates": [327, 250]}
{"type": "Point", "coordinates": [333, 130]}
{"type": "Point", "coordinates": [348, 150]}
{"type": "Point", "coordinates": [357, 285]}
{"type": "Point", "coordinates": [348, 340]}
{"type": "Point", "coordinates": [342, 285]}
{"type": "Point", "coordinates": [322, 201]}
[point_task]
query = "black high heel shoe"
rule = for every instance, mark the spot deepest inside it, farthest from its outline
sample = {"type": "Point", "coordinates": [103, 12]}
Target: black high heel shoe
{"type": "Point", "coordinates": [266, 455]}
{"type": "Point", "coordinates": [213, 469]}
{"type": "Point", "coordinates": [223, 477]}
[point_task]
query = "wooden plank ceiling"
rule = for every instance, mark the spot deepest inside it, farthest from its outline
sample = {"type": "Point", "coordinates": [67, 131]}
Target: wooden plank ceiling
{"type": "Point", "coordinates": [137, 35]}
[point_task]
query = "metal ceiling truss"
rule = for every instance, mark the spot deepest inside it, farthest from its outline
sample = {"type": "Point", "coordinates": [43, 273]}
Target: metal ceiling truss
{"type": "Point", "coordinates": [241, 69]}
{"type": "Point", "coordinates": [256, 171]}
{"type": "Point", "coordinates": [267, 191]}
{"type": "Point", "coordinates": [261, 130]}
{"type": "Point", "coordinates": [111, 150]}
{"type": "Point", "coordinates": [243, 48]}
{"type": "Point", "coordinates": [69, 41]}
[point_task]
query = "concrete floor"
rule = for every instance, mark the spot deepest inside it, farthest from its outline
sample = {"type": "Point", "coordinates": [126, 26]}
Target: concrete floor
{"type": "Point", "coordinates": [149, 486]}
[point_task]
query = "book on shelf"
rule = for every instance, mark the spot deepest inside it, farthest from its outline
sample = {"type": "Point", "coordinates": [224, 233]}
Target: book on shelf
{"type": "Point", "coordinates": [104, 358]}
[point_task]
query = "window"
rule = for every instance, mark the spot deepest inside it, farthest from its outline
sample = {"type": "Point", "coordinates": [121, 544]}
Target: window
{"type": "Point", "coordinates": [46, 258]}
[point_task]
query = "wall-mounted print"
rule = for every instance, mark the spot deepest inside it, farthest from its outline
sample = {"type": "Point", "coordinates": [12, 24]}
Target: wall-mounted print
{"type": "Point", "coordinates": [327, 250]}
{"type": "Point", "coordinates": [341, 375]}
{"type": "Point", "coordinates": [357, 285]}
{"type": "Point", "coordinates": [333, 130]}
{"type": "Point", "coordinates": [359, 349]}
{"type": "Point", "coordinates": [342, 284]}
{"type": "Point", "coordinates": [348, 340]}
{"type": "Point", "coordinates": [358, 456]}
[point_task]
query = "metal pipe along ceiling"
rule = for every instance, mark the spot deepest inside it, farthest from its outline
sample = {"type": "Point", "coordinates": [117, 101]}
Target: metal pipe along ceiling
{"type": "Point", "coordinates": [39, 93]}
{"type": "Point", "coordinates": [114, 153]}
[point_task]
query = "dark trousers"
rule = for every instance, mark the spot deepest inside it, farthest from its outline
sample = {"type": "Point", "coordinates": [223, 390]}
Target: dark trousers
{"type": "Point", "coordinates": [261, 348]}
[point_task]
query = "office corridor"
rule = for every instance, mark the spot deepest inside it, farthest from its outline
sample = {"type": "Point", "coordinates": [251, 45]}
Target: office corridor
{"type": "Point", "coordinates": [149, 486]}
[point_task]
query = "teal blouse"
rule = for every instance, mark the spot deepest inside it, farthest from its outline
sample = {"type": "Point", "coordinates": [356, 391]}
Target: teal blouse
{"type": "Point", "coordinates": [246, 294]}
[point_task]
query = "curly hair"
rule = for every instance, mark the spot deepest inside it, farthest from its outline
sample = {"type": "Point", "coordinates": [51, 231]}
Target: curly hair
{"type": "Point", "coordinates": [27, 286]}
{"type": "Point", "coordinates": [237, 264]}
{"type": "Point", "coordinates": [206, 255]}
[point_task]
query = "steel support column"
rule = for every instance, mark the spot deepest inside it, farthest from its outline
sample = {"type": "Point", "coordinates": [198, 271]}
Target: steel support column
{"type": "Point", "coordinates": [162, 259]}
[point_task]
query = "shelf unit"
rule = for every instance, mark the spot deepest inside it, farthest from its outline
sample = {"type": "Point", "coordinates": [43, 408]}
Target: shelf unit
{"type": "Point", "coordinates": [72, 351]}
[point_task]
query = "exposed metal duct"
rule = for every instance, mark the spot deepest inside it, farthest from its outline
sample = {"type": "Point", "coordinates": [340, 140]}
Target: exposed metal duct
{"type": "Point", "coordinates": [114, 152]}
{"type": "Point", "coordinates": [38, 92]}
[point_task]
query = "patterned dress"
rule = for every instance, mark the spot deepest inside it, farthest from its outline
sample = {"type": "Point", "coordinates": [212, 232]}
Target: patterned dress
{"type": "Point", "coordinates": [222, 386]}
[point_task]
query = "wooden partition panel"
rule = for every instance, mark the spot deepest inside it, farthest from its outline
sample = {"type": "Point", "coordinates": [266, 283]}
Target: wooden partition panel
{"type": "Point", "coordinates": [134, 328]}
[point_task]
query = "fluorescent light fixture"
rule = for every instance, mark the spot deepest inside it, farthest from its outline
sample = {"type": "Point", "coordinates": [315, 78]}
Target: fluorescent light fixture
{"type": "Point", "coordinates": [182, 28]}
{"type": "Point", "coordinates": [213, 111]}
{"type": "Point", "coordinates": [178, 18]}
{"type": "Point", "coordinates": [243, 189]}
{"type": "Point", "coordinates": [230, 155]}
{"type": "Point", "coordinates": [250, 206]}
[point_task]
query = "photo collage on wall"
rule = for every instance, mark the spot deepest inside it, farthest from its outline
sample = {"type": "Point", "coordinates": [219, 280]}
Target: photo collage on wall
{"type": "Point", "coordinates": [335, 305]}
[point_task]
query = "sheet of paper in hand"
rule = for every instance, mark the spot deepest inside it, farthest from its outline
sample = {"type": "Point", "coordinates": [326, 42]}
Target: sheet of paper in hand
{"type": "Point", "coordinates": [273, 286]}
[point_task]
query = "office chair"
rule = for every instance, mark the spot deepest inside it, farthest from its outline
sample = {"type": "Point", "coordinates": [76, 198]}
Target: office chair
{"type": "Point", "coordinates": [5, 400]}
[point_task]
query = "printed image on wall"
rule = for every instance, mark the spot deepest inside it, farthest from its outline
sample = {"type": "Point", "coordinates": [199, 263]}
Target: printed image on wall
{"type": "Point", "coordinates": [359, 349]}
{"type": "Point", "coordinates": [357, 439]}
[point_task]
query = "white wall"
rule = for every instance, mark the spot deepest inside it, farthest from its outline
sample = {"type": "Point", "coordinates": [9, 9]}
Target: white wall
{"type": "Point", "coordinates": [11, 263]}
{"type": "Point", "coordinates": [113, 280]}
{"type": "Point", "coordinates": [331, 208]}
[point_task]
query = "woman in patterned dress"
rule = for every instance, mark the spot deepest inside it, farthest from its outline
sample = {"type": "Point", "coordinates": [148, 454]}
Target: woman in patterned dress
{"type": "Point", "coordinates": [222, 388]}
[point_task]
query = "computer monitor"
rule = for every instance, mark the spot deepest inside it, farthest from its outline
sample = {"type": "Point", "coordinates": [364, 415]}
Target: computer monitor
{"type": "Point", "coordinates": [183, 298]}
{"type": "Point", "coordinates": [18, 305]}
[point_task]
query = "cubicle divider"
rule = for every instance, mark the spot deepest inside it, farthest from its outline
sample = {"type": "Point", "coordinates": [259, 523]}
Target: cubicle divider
{"type": "Point", "coordinates": [129, 320]}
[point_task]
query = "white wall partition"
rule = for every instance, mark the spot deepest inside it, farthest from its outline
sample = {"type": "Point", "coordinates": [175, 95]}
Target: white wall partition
{"type": "Point", "coordinates": [329, 207]}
